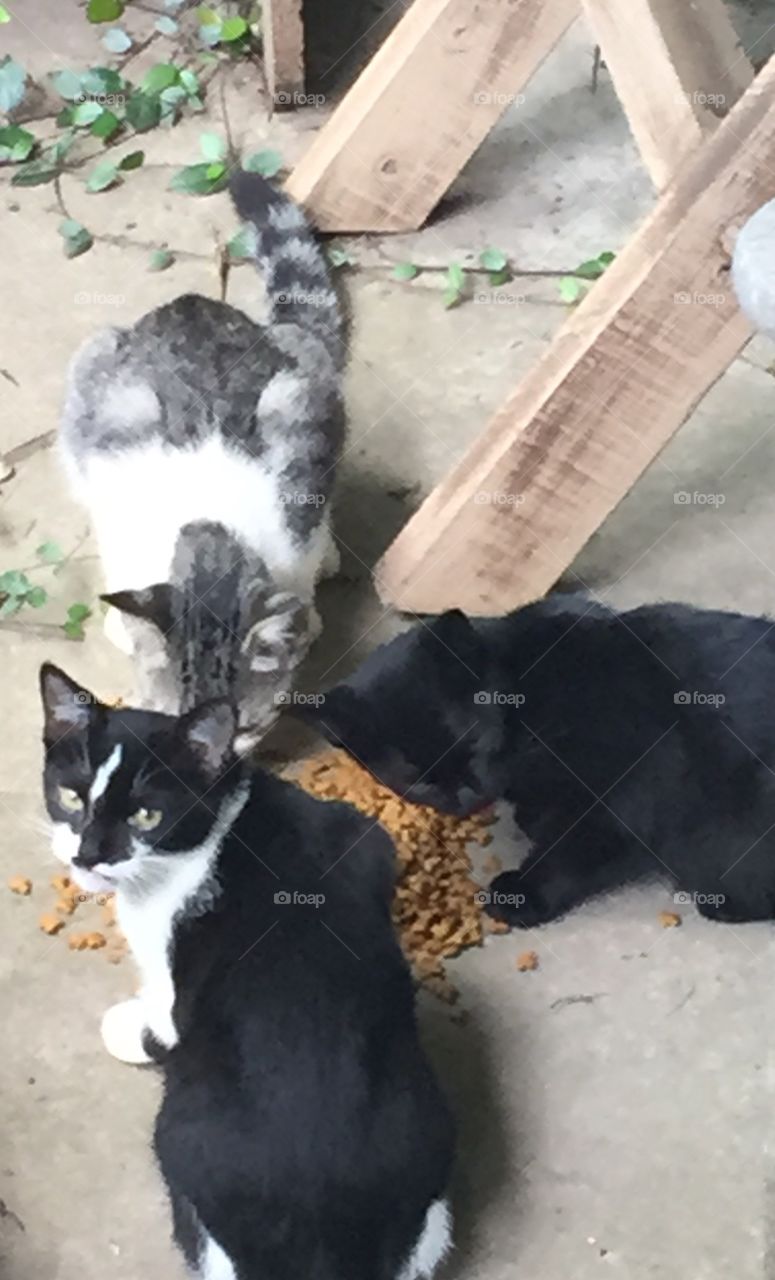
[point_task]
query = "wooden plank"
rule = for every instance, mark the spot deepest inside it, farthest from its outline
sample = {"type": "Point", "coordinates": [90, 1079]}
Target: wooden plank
{"type": "Point", "coordinates": [283, 36]}
{"type": "Point", "coordinates": [677, 67]}
{"type": "Point", "coordinates": [624, 372]}
{"type": "Point", "coordinates": [420, 109]}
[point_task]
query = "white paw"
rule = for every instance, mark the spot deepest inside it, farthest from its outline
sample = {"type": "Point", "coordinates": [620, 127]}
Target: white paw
{"type": "Point", "coordinates": [122, 1031]}
{"type": "Point", "coordinates": [332, 560]}
{"type": "Point", "coordinates": [116, 631]}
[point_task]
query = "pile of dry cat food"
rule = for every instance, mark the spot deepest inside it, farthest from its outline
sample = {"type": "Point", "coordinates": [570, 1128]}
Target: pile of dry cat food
{"type": "Point", "coordinates": [60, 918]}
{"type": "Point", "coordinates": [437, 908]}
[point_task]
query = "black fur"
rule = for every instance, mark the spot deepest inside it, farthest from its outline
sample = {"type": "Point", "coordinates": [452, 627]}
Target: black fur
{"type": "Point", "coordinates": [572, 712]}
{"type": "Point", "coordinates": [301, 1125]}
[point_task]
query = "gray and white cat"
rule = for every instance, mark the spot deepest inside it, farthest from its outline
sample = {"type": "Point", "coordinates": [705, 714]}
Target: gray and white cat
{"type": "Point", "coordinates": [204, 446]}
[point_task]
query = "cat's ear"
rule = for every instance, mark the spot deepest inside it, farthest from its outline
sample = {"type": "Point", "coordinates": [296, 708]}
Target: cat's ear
{"type": "Point", "coordinates": [67, 707]}
{"type": "Point", "coordinates": [281, 637]}
{"type": "Point", "coordinates": [155, 604]}
{"type": "Point", "coordinates": [333, 714]}
{"type": "Point", "coordinates": [208, 732]}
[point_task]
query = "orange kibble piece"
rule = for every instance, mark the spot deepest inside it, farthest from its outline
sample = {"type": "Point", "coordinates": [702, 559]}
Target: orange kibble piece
{"type": "Point", "coordinates": [50, 923]}
{"type": "Point", "coordinates": [527, 961]}
{"type": "Point", "coordinates": [21, 885]}
{"type": "Point", "coordinates": [95, 940]}
{"type": "Point", "coordinates": [60, 883]}
{"type": "Point", "coordinates": [77, 941]}
{"type": "Point", "coordinates": [669, 919]}
{"type": "Point", "coordinates": [64, 907]}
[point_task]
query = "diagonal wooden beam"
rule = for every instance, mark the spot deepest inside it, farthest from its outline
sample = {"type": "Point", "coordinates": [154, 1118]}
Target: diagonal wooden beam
{"type": "Point", "coordinates": [677, 67]}
{"type": "Point", "coordinates": [422, 106]}
{"type": "Point", "coordinates": [622, 375]}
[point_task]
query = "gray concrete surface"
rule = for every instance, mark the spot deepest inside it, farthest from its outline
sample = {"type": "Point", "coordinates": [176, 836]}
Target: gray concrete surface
{"type": "Point", "coordinates": [627, 1133]}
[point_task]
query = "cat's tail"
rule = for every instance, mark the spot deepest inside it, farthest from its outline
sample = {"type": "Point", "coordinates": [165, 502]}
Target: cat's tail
{"type": "Point", "coordinates": [298, 282]}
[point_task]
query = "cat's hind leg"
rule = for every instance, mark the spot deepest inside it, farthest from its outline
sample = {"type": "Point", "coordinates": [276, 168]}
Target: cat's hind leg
{"type": "Point", "coordinates": [433, 1245]}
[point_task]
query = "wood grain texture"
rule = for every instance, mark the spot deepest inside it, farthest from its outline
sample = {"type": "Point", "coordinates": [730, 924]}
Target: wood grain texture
{"type": "Point", "coordinates": [282, 29]}
{"type": "Point", "coordinates": [677, 67]}
{"type": "Point", "coordinates": [420, 109]}
{"type": "Point", "coordinates": [622, 375]}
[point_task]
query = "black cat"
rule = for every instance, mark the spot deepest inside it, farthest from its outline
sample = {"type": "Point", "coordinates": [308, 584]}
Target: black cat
{"type": "Point", "coordinates": [631, 744]}
{"type": "Point", "coordinates": [302, 1132]}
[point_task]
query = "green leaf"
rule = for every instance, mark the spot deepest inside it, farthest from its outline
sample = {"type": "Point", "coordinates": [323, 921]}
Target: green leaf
{"type": "Point", "coordinates": [14, 583]}
{"type": "Point", "coordinates": [49, 552]}
{"type": "Point", "coordinates": [189, 82]}
{"type": "Point", "coordinates": [606, 258]}
{"type": "Point", "coordinates": [216, 171]}
{"type": "Point", "coordinates": [101, 80]}
{"type": "Point", "coordinates": [455, 276]}
{"type": "Point", "coordinates": [142, 111]}
{"type": "Point", "coordinates": [339, 257]}
{"type": "Point", "coordinates": [451, 298]}
{"type": "Point", "coordinates": [233, 29]}
{"type": "Point", "coordinates": [166, 26]}
{"type": "Point", "coordinates": [36, 597]}
{"type": "Point", "coordinates": [11, 605]}
{"type": "Point", "coordinates": [86, 113]}
{"type": "Point", "coordinates": [78, 612]}
{"type": "Point", "coordinates": [15, 143]}
{"type": "Point", "coordinates": [104, 10]}
{"type": "Point", "coordinates": [117, 41]}
{"type": "Point", "coordinates": [106, 125]}
{"type": "Point", "coordinates": [243, 244]}
{"type": "Point", "coordinates": [35, 173]}
{"type": "Point", "coordinates": [13, 78]}
{"type": "Point", "coordinates": [571, 290]}
{"type": "Point", "coordinates": [4, 15]}
{"type": "Point", "coordinates": [131, 161]}
{"type": "Point", "coordinates": [499, 277]}
{"type": "Point", "coordinates": [197, 180]}
{"type": "Point", "coordinates": [212, 147]}
{"type": "Point", "coordinates": [67, 85]}
{"type": "Point", "coordinates": [590, 270]}
{"type": "Point", "coordinates": [172, 98]}
{"type": "Point", "coordinates": [208, 17]}
{"type": "Point", "coordinates": [103, 176]}
{"type": "Point", "coordinates": [162, 76]}
{"type": "Point", "coordinates": [267, 163]}
{"type": "Point", "coordinates": [493, 260]}
{"type": "Point", "coordinates": [76, 238]}
{"type": "Point", "coordinates": [160, 259]}
{"type": "Point", "coordinates": [404, 271]}
{"type": "Point", "coordinates": [61, 147]}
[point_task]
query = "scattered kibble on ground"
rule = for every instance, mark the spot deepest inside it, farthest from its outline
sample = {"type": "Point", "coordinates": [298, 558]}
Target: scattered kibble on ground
{"type": "Point", "coordinates": [527, 961]}
{"type": "Point", "coordinates": [669, 919]}
{"type": "Point", "coordinates": [21, 885]}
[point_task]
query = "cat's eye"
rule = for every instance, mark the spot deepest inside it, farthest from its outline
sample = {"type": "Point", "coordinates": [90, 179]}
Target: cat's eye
{"type": "Point", "coordinates": [146, 819]}
{"type": "Point", "coordinates": [70, 800]}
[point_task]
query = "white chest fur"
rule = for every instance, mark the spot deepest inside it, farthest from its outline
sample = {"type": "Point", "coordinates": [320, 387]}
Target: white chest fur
{"type": "Point", "coordinates": [147, 913]}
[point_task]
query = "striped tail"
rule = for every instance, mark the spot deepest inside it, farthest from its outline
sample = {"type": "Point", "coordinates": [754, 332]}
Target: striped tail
{"type": "Point", "coordinates": [298, 282]}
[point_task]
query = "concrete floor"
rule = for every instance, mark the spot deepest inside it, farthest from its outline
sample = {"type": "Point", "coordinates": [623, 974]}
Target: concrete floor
{"type": "Point", "coordinates": [627, 1131]}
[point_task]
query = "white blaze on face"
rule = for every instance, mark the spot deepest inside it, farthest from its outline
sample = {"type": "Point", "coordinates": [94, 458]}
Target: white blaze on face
{"type": "Point", "coordinates": [104, 774]}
